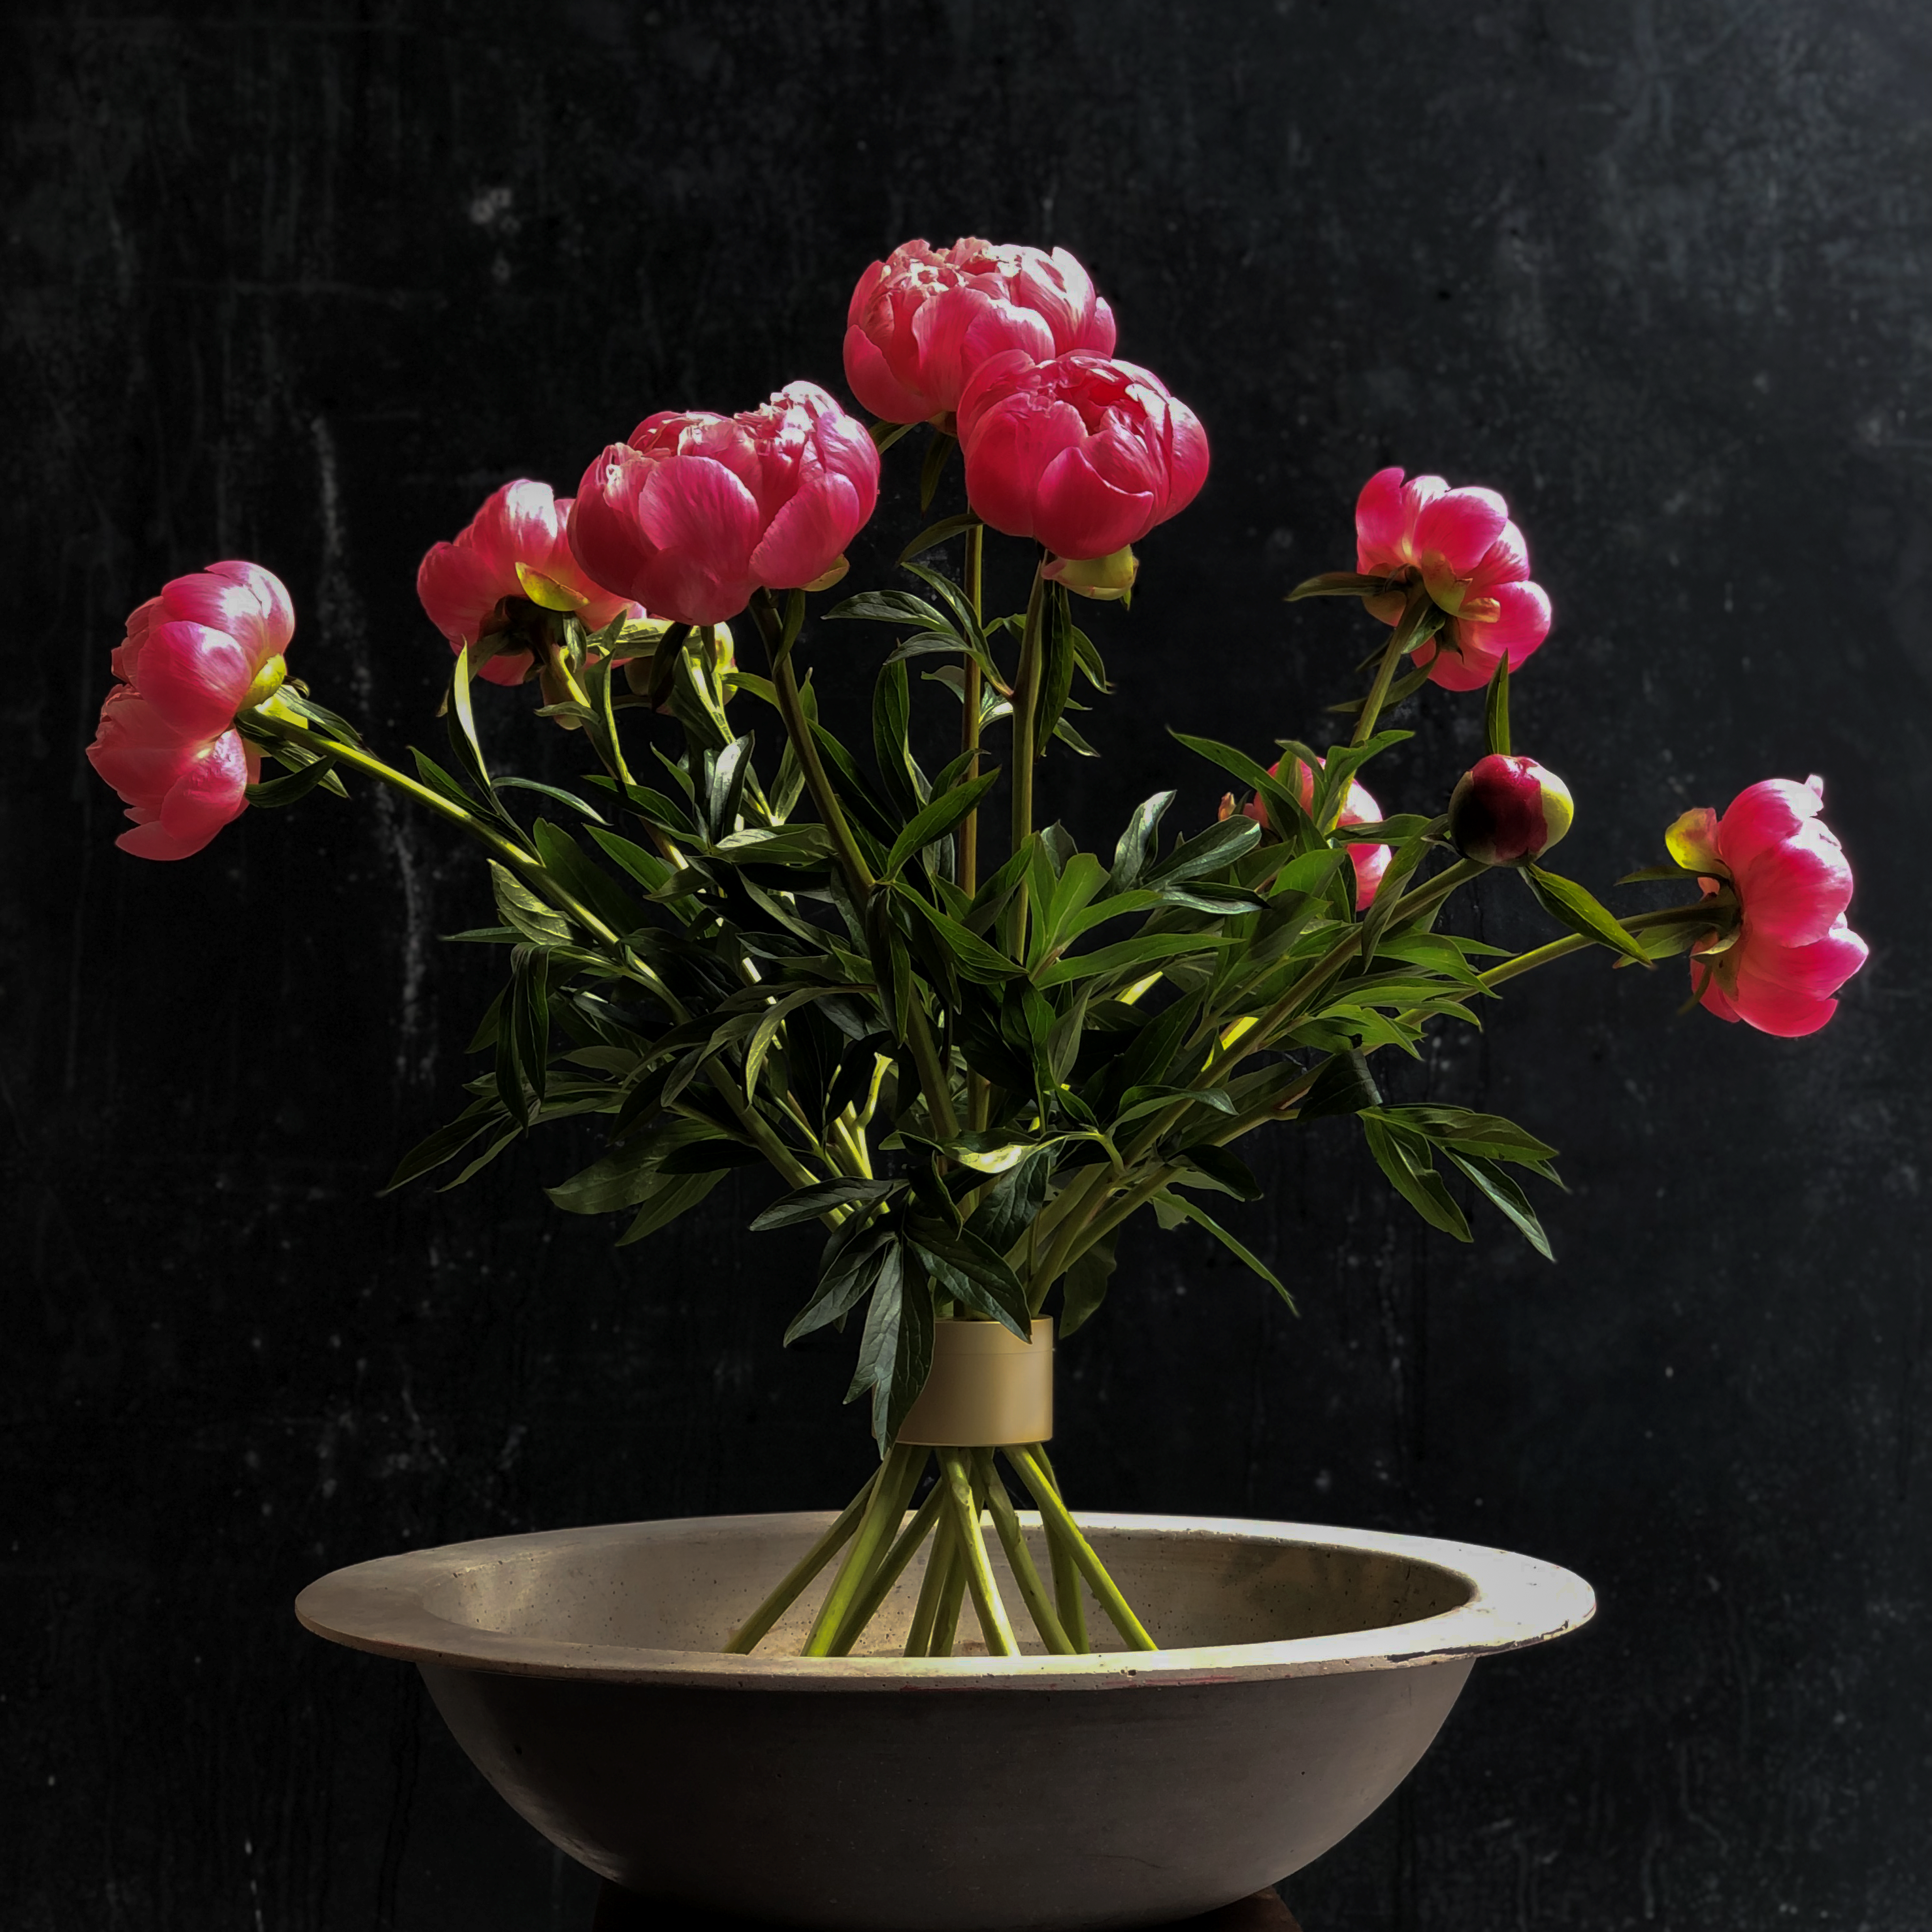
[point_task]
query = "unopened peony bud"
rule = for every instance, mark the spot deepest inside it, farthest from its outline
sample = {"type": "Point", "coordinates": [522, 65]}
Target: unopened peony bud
{"type": "Point", "coordinates": [1108, 579]}
{"type": "Point", "coordinates": [1508, 810]}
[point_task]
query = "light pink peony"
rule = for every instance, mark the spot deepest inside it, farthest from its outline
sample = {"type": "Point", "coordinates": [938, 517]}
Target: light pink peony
{"type": "Point", "coordinates": [1370, 862]}
{"type": "Point", "coordinates": [1461, 544]}
{"type": "Point", "coordinates": [209, 645]}
{"type": "Point", "coordinates": [1793, 950]}
{"type": "Point", "coordinates": [921, 322]}
{"type": "Point", "coordinates": [1084, 454]}
{"type": "Point", "coordinates": [515, 554]}
{"type": "Point", "coordinates": [697, 511]}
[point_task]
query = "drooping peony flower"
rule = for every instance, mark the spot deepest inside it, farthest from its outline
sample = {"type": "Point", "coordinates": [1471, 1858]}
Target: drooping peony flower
{"type": "Point", "coordinates": [1461, 544]}
{"type": "Point", "coordinates": [697, 511]}
{"type": "Point", "coordinates": [921, 322]}
{"type": "Point", "coordinates": [1370, 862]}
{"type": "Point", "coordinates": [208, 646]}
{"type": "Point", "coordinates": [1791, 949]}
{"type": "Point", "coordinates": [1084, 454]}
{"type": "Point", "coordinates": [1508, 810]}
{"type": "Point", "coordinates": [514, 555]}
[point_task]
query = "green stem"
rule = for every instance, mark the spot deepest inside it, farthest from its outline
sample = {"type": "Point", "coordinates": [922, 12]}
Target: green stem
{"type": "Point", "coordinates": [798, 728]}
{"type": "Point", "coordinates": [972, 1549]}
{"type": "Point", "coordinates": [932, 1586]}
{"type": "Point", "coordinates": [952, 1594]}
{"type": "Point", "coordinates": [865, 1606]}
{"type": "Point", "coordinates": [1400, 640]}
{"type": "Point", "coordinates": [1006, 1522]}
{"type": "Point", "coordinates": [1102, 1585]}
{"type": "Point", "coordinates": [968, 833]}
{"type": "Point", "coordinates": [884, 1510]}
{"type": "Point", "coordinates": [746, 1637]}
{"type": "Point", "coordinates": [1026, 707]}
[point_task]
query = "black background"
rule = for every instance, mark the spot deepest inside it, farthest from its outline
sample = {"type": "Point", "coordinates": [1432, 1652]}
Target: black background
{"type": "Point", "coordinates": [303, 286]}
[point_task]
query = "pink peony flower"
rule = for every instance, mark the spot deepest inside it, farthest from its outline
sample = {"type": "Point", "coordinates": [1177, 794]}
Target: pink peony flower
{"type": "Point", "coordinates": [921, 322]}
{"type": "Point", "coordinates": [514, 554]}
{"type": "Point", "coordinates": [1791, 950]}
{"type": "Point", "coordinates": [208, 646]}
{"type": "Point", "coordinates": [1461, 544]}
{"type": "Point", "coordinates": [1508, 810]}
{"type": "Point", "coordinates": [1370, 862]}
{"type": "Point", "coordinates": [1084, 454]}
{"type": "Point", "coordinates": [697, 511]}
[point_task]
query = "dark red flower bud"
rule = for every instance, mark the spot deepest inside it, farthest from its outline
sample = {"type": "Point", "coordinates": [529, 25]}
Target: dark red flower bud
{"type": "Point", "coordinates": [1508, 810]}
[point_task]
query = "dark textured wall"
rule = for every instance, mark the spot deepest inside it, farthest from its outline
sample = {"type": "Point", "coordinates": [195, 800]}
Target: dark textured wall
{"type": "Point", "coordinates": [302, 287]}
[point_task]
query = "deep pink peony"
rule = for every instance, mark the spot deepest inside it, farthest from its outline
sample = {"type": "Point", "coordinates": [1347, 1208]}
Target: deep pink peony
{"type": "Point", "coordinates": [1370, 862]}
{"type": "Point", "coordinates": [209, 645]}
{"type": "Point", "coordinates": [515, 554]}
{"type": "Point", "coordinates": [1461, 544]}
{"type": "Point", "coordinates": [1084, 454]}
{"type": "Point", "coordinates": [921, 322]}
{"type": "Point", "coordinates": [697, 511]}
{"type": "Point", "coordinates": [1793, 950]}
{"type": "Point", "coordinates": [1508, 810]}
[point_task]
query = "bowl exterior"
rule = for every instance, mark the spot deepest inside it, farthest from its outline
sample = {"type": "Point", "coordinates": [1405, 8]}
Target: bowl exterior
{"type": "Point", "coordinates": [954, 1811]}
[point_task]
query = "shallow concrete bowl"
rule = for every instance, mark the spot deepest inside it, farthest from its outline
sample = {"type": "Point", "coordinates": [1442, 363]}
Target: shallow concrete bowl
{"type": "Point", "coordinates": [1310, 1668]}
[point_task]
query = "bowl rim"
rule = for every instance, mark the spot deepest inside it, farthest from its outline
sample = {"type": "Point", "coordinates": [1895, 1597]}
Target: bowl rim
{"type": "Point", "coordinates": [381, 1606]}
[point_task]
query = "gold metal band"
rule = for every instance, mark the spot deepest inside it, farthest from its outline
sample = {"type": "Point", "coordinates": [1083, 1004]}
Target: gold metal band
{"type": "Point", "coordinates": [988, 1388]}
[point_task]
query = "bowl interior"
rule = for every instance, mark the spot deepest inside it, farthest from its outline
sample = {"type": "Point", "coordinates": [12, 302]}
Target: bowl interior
{"type": "Point", "coordinates": [689, 1592]}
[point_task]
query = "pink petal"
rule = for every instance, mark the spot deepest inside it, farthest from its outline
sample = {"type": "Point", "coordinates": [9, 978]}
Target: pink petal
{"type": "Point", "coordinates": [1187, 448]}
{"type": "Point", "coordinates": [1370, 862]}
{"type": "Point", "coordinates": [208, 794]}
{"type": "Point", "coordinates": [1460, 526]}
{"type": "Point", "coordinates": [1381, 524]}
{"type": "Point", "coordinates": [872, 379]}
{"type": "Point", "coordinates": [1765, 815]}
{"type": "Point", "coordinates": [1010, 448]}
{"type": "Point", "coordinates": [1078, 513]}
{"type": "Point", "coordinates": [1795, 892]}
{"type": "Point", "coordinates": [196, 678]}
{"type": "Point", "coordinates": [1506, 561]}
{"type": "Point", "coordinates": [240, 599]}
{"type": "Point", "coordinates": [126, 657]}
{"type": "Point", "coordinates": [805, 538]}
{"type": "Point", "coordinates": [1521, 624]}
{"type": "Point", "coordinates": [458, 588]}
{"type": "Point", "coordinates": [957, 332]}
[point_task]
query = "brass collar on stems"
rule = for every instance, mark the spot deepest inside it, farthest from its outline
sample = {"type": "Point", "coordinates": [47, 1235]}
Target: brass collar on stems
{"type": "Point", "coordinates": [988, 1388]}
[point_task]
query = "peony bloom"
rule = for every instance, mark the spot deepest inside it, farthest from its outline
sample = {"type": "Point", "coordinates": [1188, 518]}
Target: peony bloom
{"type": "Point", "coordinates": [1370, 862]}
{"type": "Point", "coordinates": [1461, 544]}
{"type": "Point", "coordinates": [208, 646]}
{"type": "Point", "coordinates": [921, 322]}
{"type": "Point", "coordinates": [1084, 454]}
{"type": "Point", "coordinates": [1508, 810]}
{"type": "Point", "coordinates": [1791, 949]}
{"type": "Point", "coordinates": [514, 555]}
{"type": "Point", "coordinates": [697, 511]}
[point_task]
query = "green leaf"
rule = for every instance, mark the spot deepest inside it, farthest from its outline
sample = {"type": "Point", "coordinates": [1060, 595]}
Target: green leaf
{"type": "Point", "coordinates": [667, 1201]}
{"type": "Point", "coordinates": [446, 1144]}
{"type": "Point", "coordinates": [967, 1268]}
{"type": "Point", "coordinates": [1338, 583]}
{"type": "Point", "coordinates": [1183, 1210]}
{"type": "Point", "coordinates": [1056, 677]}
{"type": "Point", "coordinates": [937, 819]}
{"type": "Point", "coordinates": [891, 718]}
{"type": "Point", "coordinates": [1008, 1207]}
{"type": "Point", "coordinates": [892, 607]}
{"type": "Point", "coordinates": [533, 917]}
{"type": "Point", "coordinates": [1085, 1287]}
{"type": "Point", "coordinates": [1130, 853]}
{"type": "Point", "coordinates": [938, 453]}
{"type": "Point", "coordinates": [625, 1175]}
{"type": "Point", "coordinates": [1284, 811]}
{"type": "Point", "coordinates": [1222, 1168]}
{"type": "Point", "coordinates": [1566, 902]}
{"type": "Point", "coordinates": [1487, 1134]}
{"type": "Point", "coordinates": [934, 534]}
{"type": "Point", "coordinates": [1343, 762]}
{"type": "Point", "coordinates": [879, 1344]}
{"type": "Point", "coordinates": [1502, 1193]}
{"type": "Point", "coordinates": [714, 1156]}
{"type": "Point", "coordinates": [1406, 1162]}
{"type": "Point", "coordinates": [955, 599]}
{"type": "Point", "coordinates": [269, 793]}
{"type": "Point", "coordinates": [551, 791]}
{"type": "Point", "coordinates": [1495, 709]}
{"type": "Point", "coordinates": [808, 1204]}
{"type": "Point", "coordinates": [1213, 851]}
{"type": "Point", "coordinates": [1140, 952]}
{"type": "Point", "coordinates": [971, 955]}
{"type": "Point", "coordinates": [529, 1013]}
{"type": "Point", "coordinates": [847, 1280]}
